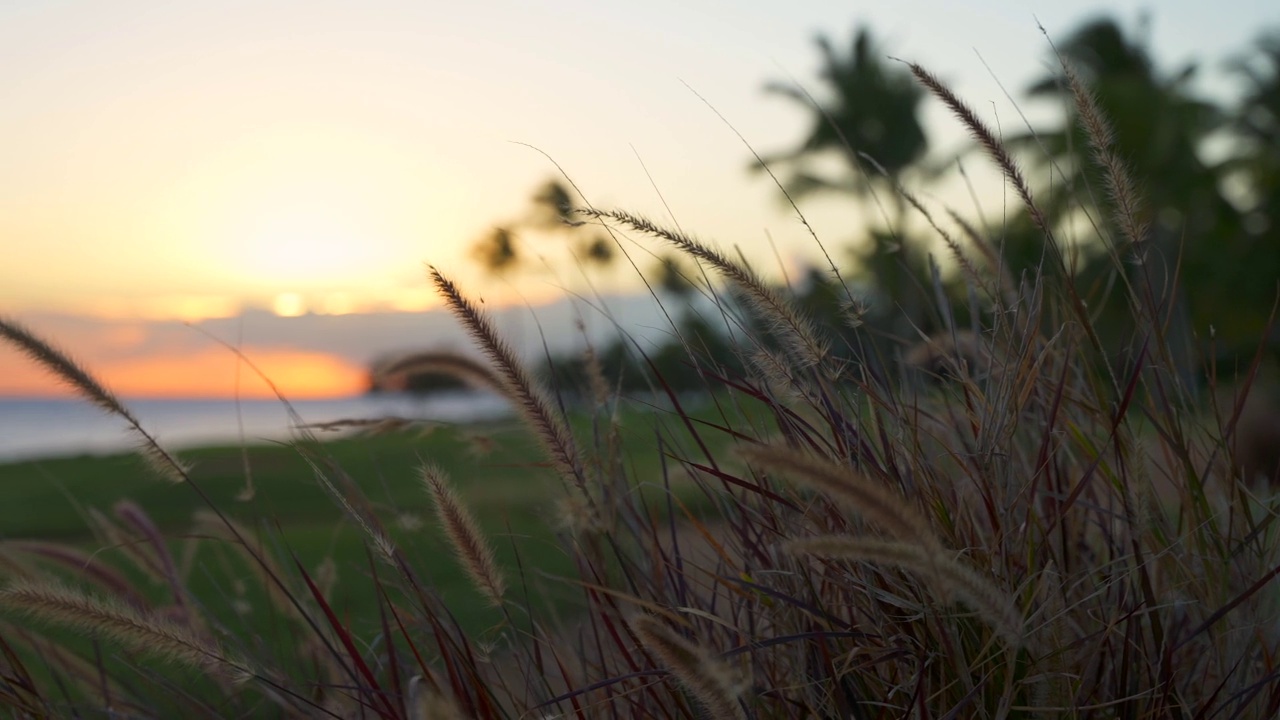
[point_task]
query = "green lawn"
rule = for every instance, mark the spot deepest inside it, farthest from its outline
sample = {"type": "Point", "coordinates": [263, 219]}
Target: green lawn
{"type": "Point", "coordinates": [497, 469]}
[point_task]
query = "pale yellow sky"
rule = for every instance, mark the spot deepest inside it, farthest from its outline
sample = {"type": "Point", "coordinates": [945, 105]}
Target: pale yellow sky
{"type": "Point", "coordinates": [188, 159]}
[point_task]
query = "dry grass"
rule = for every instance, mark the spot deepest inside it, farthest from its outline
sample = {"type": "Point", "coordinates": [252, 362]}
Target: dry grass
{"type": "Point", "coordinates": [517, 383]}
{"type": "Point", "coordinates": [471, 547]}
{"type": "Point", "coordinates": [796, 331]}
{"type": "Point", "coordinates": [705, 677]}
{"type": "Point", "coordinates": [54, 603]}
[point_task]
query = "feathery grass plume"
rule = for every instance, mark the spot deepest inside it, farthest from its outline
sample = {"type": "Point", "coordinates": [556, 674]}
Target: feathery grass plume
{"type": "Point", "coordinates": [795, 329]}
{"type": "Point", "coordinates": [423, 702]}
{"type": "Point", "coordinates": [64, 367]}
{"type": "Point", "coordinates": [88, 567]}
{"type": "Point", "coordinates": [992, 603]}
{"type": "Point", "coordinates": [1120, 186]}
{"type": "Point", "coordinates": [162, 462]}
{"type": "Point", "coordinates": [71, 373]}
{"type": "Point", "coordinates": [777, 370]}
{"type": "Point", "coordinates": [579, 516]}
{"type": "Point", "coordinates": [595, 372]}
{"type": "Point", "coordinates": [705, 677]}
{"type": "Point", "coordinates": [472, 548]}
{"type": "Point", "coordinates": [945, 352]}
{"type": "Point", "coordinates": [853, 312]}
{"type": "Point", "coordinates": [368, 523]}
{"type": "Point", "coordinates": [879, 505]}
{"type": "Point", "coordinates": [984, 136]}
{"type": "Point", "coordinates": [87, 677]}
{"type": "Point", "coordinates": [439, 362]}
{"type": "Point", "coordinates": [516, 383]}
{"type": "Point", "coordinates": [949, 578]}
{"type": "Point", "coordinates": [60, 605]}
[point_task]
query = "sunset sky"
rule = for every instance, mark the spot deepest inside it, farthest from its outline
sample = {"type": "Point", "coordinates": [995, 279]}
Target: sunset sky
{"type": "Point", "coordinates": [196, 160]}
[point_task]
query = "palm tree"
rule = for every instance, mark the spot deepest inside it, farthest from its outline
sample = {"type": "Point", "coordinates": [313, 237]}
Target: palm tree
{"type": "Point", "coordinates": [673, 278]}
{"type": "Point", "coordinates": [870, 119]}
{"type": "Point", "coordinates": [1257, 122]}
{"type": "Point", "coordinates": [873, 111]}
{"type": "Point", "coordinates": [496, 251]}
{"type": "Point", "coordinates": [1159, 130]}
{"type": "Point", "coordinates": [1256, 164]}
{"type": "Point", "coordinates": [1158, 126]}
{"type": "Point", "coordinates": [555, 211]}
{"type": "Point", "coordinates": [552, 211]}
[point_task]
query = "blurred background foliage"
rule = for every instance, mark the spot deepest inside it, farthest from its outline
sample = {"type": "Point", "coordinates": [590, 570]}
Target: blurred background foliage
{"type": "Point", "coordinates": [1208, 183]}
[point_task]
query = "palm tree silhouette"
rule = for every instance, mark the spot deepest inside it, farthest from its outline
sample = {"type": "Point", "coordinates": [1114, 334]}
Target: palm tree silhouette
{"type": "Point", "coordinates": [496, 251]}
{"type": "Point", "coordinates": [1256, 166]}
{"type": "Point", "coordinates": [1158, 125]}
{"type": "Point", "coordinates": [1159, 131]}
{"type": "Point", "coordinates": [870, 119]}
{"type": "Point", "coordinates": [872, 112]}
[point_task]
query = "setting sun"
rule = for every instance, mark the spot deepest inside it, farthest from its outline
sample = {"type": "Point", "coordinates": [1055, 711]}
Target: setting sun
{"type": "Point", "coordinates": [289, 305]}
{"type": "Point", "coordinates": [305, 243]}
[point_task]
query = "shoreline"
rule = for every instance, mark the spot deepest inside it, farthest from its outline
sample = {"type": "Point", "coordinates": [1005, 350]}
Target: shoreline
{"type": "Point", "coordinates": [72, 428]}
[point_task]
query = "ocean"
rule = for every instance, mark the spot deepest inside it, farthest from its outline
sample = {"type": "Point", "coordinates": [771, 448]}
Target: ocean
{"type": "Point", "coordinates": [43, 428]}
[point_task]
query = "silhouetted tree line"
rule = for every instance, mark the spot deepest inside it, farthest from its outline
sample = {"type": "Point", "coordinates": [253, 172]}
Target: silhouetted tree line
{"type": "Point", "coordinates": [1216, 220]}
{"type": "Point", "coordinates": [1213, 218]}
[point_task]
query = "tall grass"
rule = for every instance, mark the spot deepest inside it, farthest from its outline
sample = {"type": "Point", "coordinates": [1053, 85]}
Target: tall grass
{"type": "Point", "coordinates": [1040, 534]}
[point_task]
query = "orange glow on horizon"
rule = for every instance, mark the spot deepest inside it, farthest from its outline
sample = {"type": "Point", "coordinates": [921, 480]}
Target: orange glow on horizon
{"type": "Point", "coordinates": [209, 373]}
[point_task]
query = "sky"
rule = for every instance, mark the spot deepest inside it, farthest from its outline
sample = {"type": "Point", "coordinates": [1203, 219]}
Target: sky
{"type": "Point", "coordinates": [169, 162]}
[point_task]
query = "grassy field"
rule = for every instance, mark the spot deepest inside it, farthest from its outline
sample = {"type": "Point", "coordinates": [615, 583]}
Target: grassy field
{"type": "Point", "coordinates": [497, 469]}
